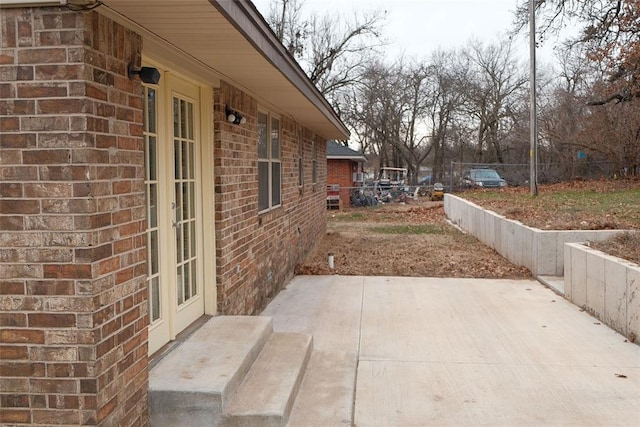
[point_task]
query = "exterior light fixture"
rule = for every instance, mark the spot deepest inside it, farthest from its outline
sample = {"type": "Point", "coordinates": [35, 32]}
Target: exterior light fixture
{"type": "Point", "coordinates": [234, 117]}
{"type": "Point", "coordinates": [147, 74]}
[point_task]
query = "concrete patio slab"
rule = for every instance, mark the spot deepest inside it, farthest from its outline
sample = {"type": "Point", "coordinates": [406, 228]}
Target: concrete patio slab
{"type": "Point", "coordinates": [430, 351]}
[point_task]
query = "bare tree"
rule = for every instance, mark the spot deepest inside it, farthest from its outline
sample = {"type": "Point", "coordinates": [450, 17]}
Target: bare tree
{"type": "Point", "coordinates": [496, 83]}
{"type": "Point", "coordinates": [331, 49]}
{"type": "Point", "coordinates": [610, 36]}
{"type": "Point", "coordinates": [443, 102]}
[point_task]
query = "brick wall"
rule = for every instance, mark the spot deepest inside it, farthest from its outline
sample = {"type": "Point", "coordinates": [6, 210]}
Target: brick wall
{"type": "Point", "coordinates": [73, 299]}
{"type": "Point", "coordinates": [256, 254]}
{"type": "Point", "coordinates": [340, 171]}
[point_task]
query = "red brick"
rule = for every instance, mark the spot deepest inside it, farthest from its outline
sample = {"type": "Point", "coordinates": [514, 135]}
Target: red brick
{"type": "Point", "coordinates": [13, 352]}
{"type": "Point", "coordinates": [45, 123]}
{"type": "Point", "coordinates": [7, 57]}
{"type": "Point", "coordinates": [16, 107]}
{"type": "Point", "coordinates": [24, 73]}
{"type": "Point", "coordinates": [91, 156]}
{"type": "Point", "coordinates": [47, 190]}
{"type": "Point", "coordinates": [9, 124]}
{"type": "Point", "coordinates": [12, 288]}
{"type": "Point", "coordinates": [42, 56]}
{"type": "Point", "coordinates": [29, 336]}
{"type": "Point", "coordinates": [93, 254]}
{"type": "Point", "coordinates": [59, 72]}
{"type": "Point", "coordinates": [17, 206]}
{"type": "Point", "coordinates": [19, 173]}
{"type": "Point", "coordinates": [21, 369]}
{"type": "Point", "coordinates": [67, 271]}
{"type": "Point", "coordinates": [18, 140]}
{"type": "Point", "coordinates": [52, 287]}
{"type": "Point", "coordinates": [65, 173]}
{"type": "Point", "coordinates": [11, 223]}
{"type": "Point", "coordinates": [62, 106]}
{"type": "Point", "coordinates": [10, 416]}
{"type": "Point", "coordinates": [14, 401]}
{"type": "Point", "coordinates": [51, 320]}
{"type": "Point", "coordinates": [12, 320]}
{"type": "Point", "coordinates": [56, 417]}
{"type": "Point", "coordinates": [7, 90]}
{"type": "Point", "coordinates": [39, 157]}
{"type": "Point", "coordinates": [107, 409]}
{"type": "Point", "coordinates": [64, 401]}
{"type": "Point", "coordinates": [10, 190]}
{"type": "Point", "coordinates": [42, 90]}
{"type": "Point", "coordinates": [61, 386]}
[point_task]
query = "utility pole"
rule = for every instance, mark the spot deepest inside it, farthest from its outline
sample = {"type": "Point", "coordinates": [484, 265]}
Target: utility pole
{"type": "Point", "coordinates": [533, 110]}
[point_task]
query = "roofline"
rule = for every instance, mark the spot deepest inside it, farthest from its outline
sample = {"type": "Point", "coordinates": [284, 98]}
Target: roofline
{"type": "Point", "coordinates": [359, 158]}
{"type": "Point", "coordinates": [244, 16]}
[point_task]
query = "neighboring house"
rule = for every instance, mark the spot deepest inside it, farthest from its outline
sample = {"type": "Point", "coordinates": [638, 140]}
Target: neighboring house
{"type": "Point", "coordinates": [344, 169]}
{"type": "Point", "coordinates": [128, 210]}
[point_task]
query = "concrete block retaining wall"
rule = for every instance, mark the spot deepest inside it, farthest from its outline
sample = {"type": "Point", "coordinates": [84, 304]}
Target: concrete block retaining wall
{"type": "Point", "coordinates": [606, 286]}
{"type": "Point", "coordinates": [541, 251]}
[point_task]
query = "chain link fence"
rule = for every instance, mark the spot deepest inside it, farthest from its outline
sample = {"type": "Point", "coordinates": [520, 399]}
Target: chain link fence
{"type": "Point", "coordinates": [373, 194]}
{"type": "Point", "coordinates": [518, 174]}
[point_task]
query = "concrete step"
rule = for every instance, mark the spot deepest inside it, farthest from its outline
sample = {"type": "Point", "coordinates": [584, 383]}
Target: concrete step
{"type": "Point", "coordinates": [266, 396]}
{"type": "Point", "coordinates": [193, 383]}
{"type": "Point", "coordinates": [555, 283]}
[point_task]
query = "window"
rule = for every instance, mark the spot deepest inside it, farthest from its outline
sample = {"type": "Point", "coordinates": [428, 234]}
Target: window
{"type": "Point", "coordinates": [269, 167]}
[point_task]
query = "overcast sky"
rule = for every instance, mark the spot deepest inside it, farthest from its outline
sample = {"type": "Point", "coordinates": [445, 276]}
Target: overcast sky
{"type": "Point", "coordinates": [418, 27]}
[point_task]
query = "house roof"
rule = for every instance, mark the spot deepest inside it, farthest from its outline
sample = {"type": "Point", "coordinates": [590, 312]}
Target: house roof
{"type": "Point", "coordinates": [232, 40]}
{"type": "Point", "coordinates": [335, 150]}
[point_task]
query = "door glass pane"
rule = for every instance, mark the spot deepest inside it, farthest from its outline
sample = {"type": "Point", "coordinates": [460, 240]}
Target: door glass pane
{"type": "Point", "coordinates": [154, 298]}
{"type": "Point", "coordinates": [183, 119]}
{"type": "Point", "coordinates": [151, 192]}
{"type": "Point", "coordinates": [176, 117]}
{"type": "Point", "coordinates": [179, 284]}
{"type": "Point", "coordinates": [194, 278]}
{"type": "Point", "coordinates": [176, 160]}
{"type": "Point", "coordinates": [153, 156]}
{"type": "Point", "coordinates": [192, 198]}
{"type": "Point", "coordinates": [190, 121]}
{"type": "Point", "coordinates": [187, 281]}
{"type": "Point", "coordinates": [191, 164]}
{"type": "Point", "coordinates": [150, 122]}
{"type": "Point", "coordinates": [153, 256]}
{"type": "Point", "coordinates": [186, 215]}
{"type": "Point", "coordinates": [153, 205]}
{"type": "Point", "coordinates": [178, 242]}
{"type": "Point", "coordinates": [186, 236]}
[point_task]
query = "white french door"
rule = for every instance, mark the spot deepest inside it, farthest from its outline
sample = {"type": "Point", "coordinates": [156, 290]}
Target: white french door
{"type": "Point", "coordinates": [174, 208]}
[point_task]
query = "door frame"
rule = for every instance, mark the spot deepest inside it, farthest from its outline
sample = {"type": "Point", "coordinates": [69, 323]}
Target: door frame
{"type": "Point", "coordinates": [205, 204]}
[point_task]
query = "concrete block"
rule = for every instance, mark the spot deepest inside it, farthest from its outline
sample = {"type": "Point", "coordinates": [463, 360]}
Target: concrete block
{"type": "Point", "coordinates": [578, 276]}
{"type": "Point", "coordinates": [547, 253]}
{"type": "Point", "coordinates": [568, 272]}
{"type": "Point", "coordinates": [615, 295]}
{"type": "Point", "coordinates": [528, 241]}
{"type": "Point", "coordinates": [508, 240]}
{"type": "Point", "coordinates": [595, 284]}
{"type": "Point", "coordinates": [633, 304]}
{"type": "Point", "coordinates": [497, 229]}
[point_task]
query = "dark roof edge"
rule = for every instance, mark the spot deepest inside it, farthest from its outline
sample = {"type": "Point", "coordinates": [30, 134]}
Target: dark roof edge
{"type": "Point", "coordinates": [244, 16]}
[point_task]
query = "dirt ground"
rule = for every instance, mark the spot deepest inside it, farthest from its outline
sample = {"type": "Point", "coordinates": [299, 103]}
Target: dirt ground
{"type": "Point", "coordinates": [380, 242]}
{"type": "Point", "coordinates": [415, 239]}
